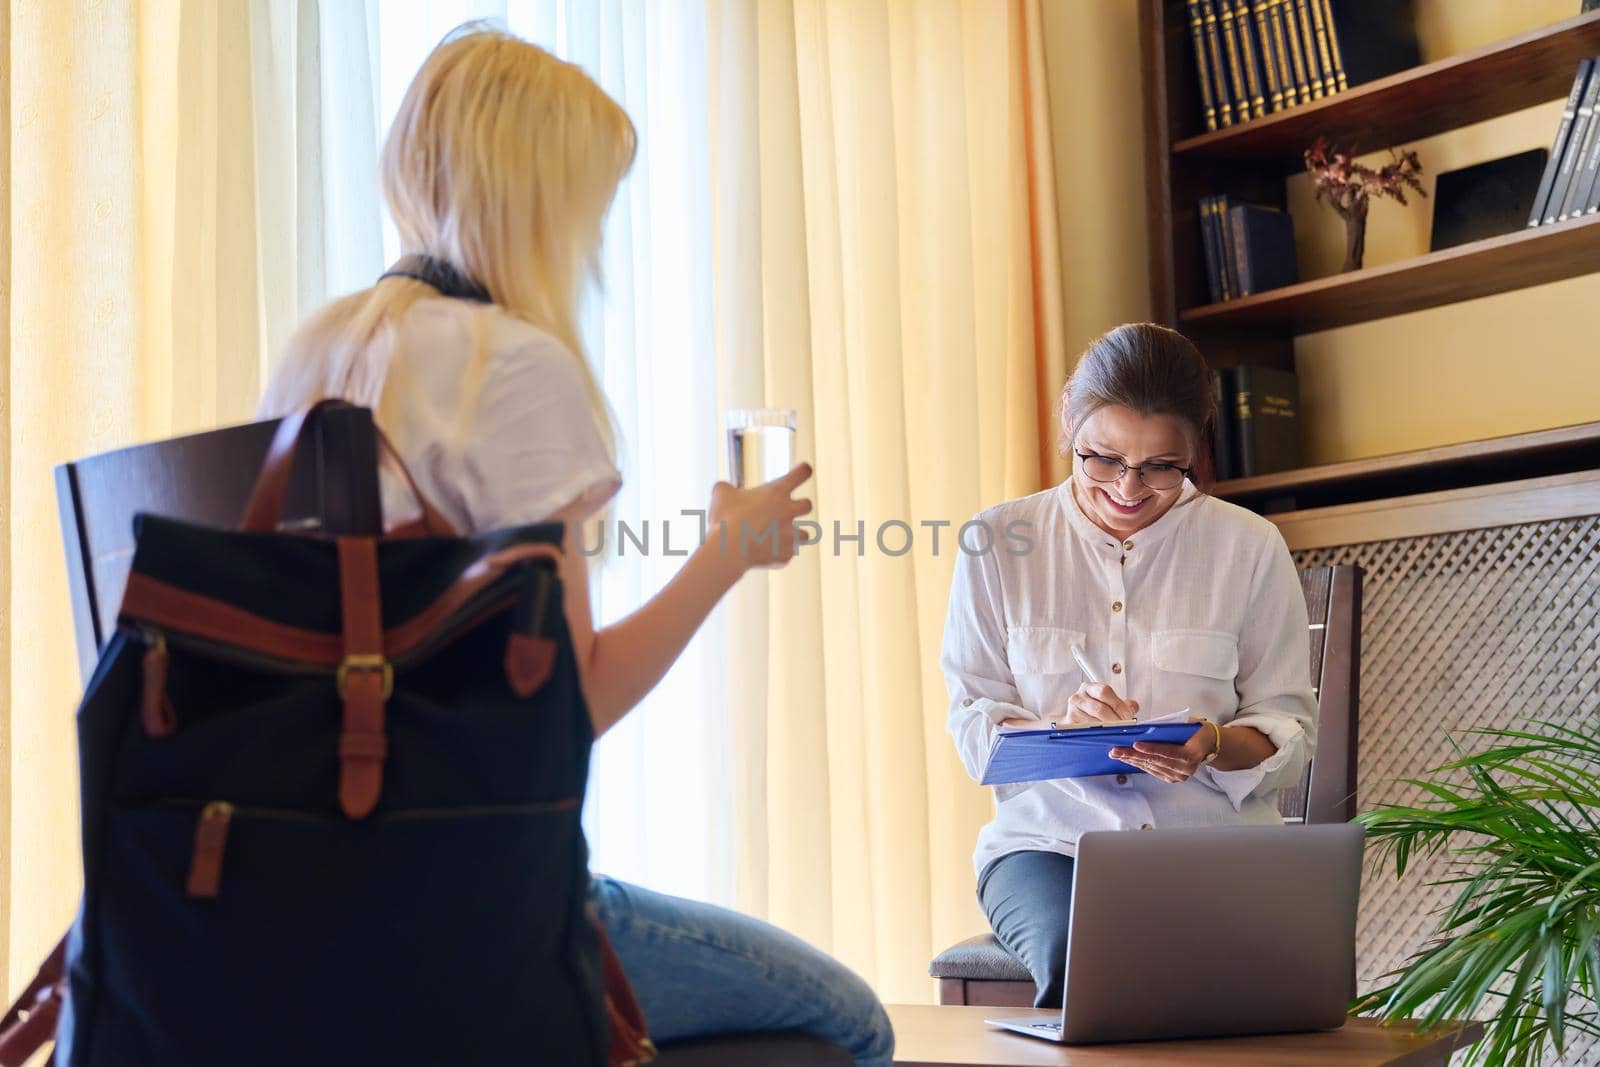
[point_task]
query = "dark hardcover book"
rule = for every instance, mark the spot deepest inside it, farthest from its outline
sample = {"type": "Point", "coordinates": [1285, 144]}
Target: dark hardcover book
{"type": "Point", "coordinates": [1308, 46]}
{"type": "Point", "coordinates": [1573, 145]}
{"type": "Point", "coordinates": [1269, 55]}
{"type": "Point", "coordinates": [1230, 54]}
{"type": "Point", "coordinates": [1592, 197]}
{"type": "Point", "coordinates": [1254, 80]}
{"type": "Point", "coordinates": [1541, 198]}
{"type": "Point", "coordinates": [1372, 38]}
{"type": "Point", "coordinates": [1319, 29]}
{"type": "Point", "coordinates": [1297, 54]}
{"type": "Point", "coordinates": [1202, 65]}
{"type": "Point", "coordinates": [1219, 70]}
{"type": "Point", "coordinates": [1222, 426]}
{"type": "Point", "coordinates": [1220, 243]}
{"type": "Point", "coordinates": [1213, 255]}
{"type": "Point", "coordinates": [1230, 256]}
{"type": "Point", "coordinates": [1263, 242]}
{"type": "Point", "coordinates": [1583, 180]}
{"type": "Point", "coordinates": [1582, 142]}
{"type": "Point", "coordinates": [1485, 200]}
{"type": "Point", "coordinates": [1292, 68]}
{"type": "Point", "coordinates": [1266, 402]}
{"type": "Point", "coordinates": [1335, 56]}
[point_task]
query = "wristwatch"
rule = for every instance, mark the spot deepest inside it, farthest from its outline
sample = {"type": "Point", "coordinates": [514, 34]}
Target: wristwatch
{"type": "Point", "coordinates": [1216, 748]}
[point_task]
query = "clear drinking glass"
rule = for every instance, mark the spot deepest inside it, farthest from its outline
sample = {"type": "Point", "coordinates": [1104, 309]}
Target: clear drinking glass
{"type": "Point", "coordinates": [760, 444]}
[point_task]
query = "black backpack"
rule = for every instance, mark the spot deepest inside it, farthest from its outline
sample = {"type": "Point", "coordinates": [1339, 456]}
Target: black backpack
{"type": "Point", "coordinates": [331, 793]}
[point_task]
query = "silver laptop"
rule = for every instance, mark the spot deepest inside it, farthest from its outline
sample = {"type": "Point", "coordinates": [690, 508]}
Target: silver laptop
{"type": "Point", "coordinates": [1205, 932]}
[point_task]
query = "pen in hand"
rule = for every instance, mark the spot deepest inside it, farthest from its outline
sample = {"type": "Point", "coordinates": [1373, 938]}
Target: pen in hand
{"type": "Point", "coordinates": [1083, 665]}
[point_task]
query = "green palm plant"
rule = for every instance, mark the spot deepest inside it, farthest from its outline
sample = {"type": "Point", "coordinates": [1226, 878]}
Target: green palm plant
{"type": "Point", "coordinates": [1517, 821]}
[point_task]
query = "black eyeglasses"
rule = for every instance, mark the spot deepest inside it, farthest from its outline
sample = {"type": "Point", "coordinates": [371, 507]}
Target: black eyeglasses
{"type": "Point", "coordinates": [1110, 469]}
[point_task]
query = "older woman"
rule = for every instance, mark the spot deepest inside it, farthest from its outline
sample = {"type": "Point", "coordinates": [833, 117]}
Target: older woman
{"type": "Point", "coordinates": [1178, 599]}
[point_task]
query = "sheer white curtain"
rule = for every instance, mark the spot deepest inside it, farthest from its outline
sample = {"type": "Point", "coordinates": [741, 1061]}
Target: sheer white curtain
{"type": "Point", "coordinates": [660, 806]}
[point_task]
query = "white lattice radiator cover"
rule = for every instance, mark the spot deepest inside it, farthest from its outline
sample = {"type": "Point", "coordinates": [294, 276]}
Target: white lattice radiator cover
{"type": "Point", "coordinates": [1489, 627]}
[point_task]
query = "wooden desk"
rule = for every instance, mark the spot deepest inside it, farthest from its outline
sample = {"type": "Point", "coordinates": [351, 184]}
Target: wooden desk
{"type": "Point", "coordinates": [929, 1036]}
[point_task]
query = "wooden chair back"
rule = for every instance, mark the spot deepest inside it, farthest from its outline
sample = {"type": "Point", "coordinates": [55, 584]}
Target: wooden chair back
{"type": "Point", "coordinates": [1327, 793]}
{"type": "Point", "coordinates": [203, 478]}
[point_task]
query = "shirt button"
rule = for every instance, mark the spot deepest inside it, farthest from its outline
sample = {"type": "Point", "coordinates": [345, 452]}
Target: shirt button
{"type": "Point", "coordinates": [967, 703]}
{"type": "Point", "coordinates": [1116, 605]}
{"type": "Point", "coordinates": [1116, 668]}
{"type": "Point", "coordinates": [1122, 779]}
{"type": "Point", "coordinates": [1146, 826]}
{"type": "Point", "coordinates": [1128, 545]}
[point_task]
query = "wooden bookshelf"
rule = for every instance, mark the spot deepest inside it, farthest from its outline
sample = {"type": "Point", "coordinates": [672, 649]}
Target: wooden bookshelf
{"type": "Point", "coordinates": [1539, 454]}
{"type": "Point", "coordinates": [1507, 76]}
{"type": "Point", "coordinates": [1249, 162]}
{"type": "Point", "coordinates": [1495, 265]}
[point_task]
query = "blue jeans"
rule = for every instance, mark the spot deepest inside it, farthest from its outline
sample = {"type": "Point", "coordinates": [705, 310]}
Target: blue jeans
{"type": "Point", "coordinates": [1028, 899]}
{"type": "Point", "coordinates": [700, 970]}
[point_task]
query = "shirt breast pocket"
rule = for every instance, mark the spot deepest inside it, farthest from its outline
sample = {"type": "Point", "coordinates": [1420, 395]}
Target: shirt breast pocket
{"type": "Point", "coordinates": [1196, 669]}
{"type": "Point", "coordinates": [1043, 667]}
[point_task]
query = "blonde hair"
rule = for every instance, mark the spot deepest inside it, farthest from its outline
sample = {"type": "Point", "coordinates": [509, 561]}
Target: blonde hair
{"type": "Point", "coordinates": [502, 161]}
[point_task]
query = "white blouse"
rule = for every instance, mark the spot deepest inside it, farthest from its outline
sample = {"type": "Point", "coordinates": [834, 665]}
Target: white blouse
{"type": "Point", "coordinates": [492, 418]}
{"type": "Point", "coordinates": [1202, 609]}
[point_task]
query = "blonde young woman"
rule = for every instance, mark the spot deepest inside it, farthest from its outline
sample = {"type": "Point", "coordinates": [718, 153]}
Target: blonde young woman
{"type": "Point", "coordinates": [498, 170]}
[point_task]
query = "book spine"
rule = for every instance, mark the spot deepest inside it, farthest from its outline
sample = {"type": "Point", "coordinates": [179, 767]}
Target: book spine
{"type": "Point", "coordinates": [1230, 49]}
{"type": "Point", "coordinates": [1197, 31]}
{"type": "Point", "coordinates": [1230, 255]}
{"type": "Point", "coordinates": [1221, 427]}
{"type": "Point", "coordinates": [1588, 171]}
{"type": "Point", "coordinates": [1570, 149]}
{"type": "Point", "coordinates": [1339, 78]}
{"type": "Point", "coordinates": [1255, 81]}
{"type": "Point", "coordinates": [1218, 71]}
{"type": "Point", "coordinates": [1308, 45]}
{"type": "Point", "coordinates": [1592, 196]}
{"type": "Point", "coordinates": [1302, 85]}
{"type": "Point", "coordinates": [1245, 427]}
{"type": "Point", "coordinates": [1581, 139]}
{"type": "Point", "coordinates": [1208, 244]}
{"type": "Point", "coordinates": [1240, 237]}
{"type": "Point", "coordinates": [1214, 228]}
{"type": "Point", "coordinates": [1319, 25]}
{"type": "Point", "coordinates": [1552, 167]}
{"type": "Point", "coordinates": [1269, 57]}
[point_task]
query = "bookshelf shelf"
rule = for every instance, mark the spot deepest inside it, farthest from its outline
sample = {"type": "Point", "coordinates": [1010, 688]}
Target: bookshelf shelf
{"type": "Point", "coordinates": [1249, 164]}
{"type": "Point", "coordinates": [1512, 74]}
{"type": "Point", "coordinates": [1525, 455]}
{"type": "Point", "coordinates": [1482, 268]}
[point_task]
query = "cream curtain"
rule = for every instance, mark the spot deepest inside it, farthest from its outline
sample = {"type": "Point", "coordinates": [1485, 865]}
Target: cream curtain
{"type": "Point", "coordinates": [886, 245]}
{"type": "Point", "coordinates": [133, 310]}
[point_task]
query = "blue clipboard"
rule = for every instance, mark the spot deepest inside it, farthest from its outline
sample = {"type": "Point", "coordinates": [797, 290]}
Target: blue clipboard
{"type": "Point", "coordinates": [1075, 752]}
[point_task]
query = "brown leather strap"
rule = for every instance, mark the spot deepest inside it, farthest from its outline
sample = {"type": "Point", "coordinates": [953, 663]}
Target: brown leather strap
{"type": "Point", "coordinates": [365, 679]}
{"type": "Point", "coordinates": [630, 1040]}
{"type": "Point", "coordinates": [31, 1022]}
{"type": "Point", "coordinates": [265, 509]}
{"type": "Point", "coordinates": [432, 522]}
{"type": "Point", "coordinates": [156, 603]}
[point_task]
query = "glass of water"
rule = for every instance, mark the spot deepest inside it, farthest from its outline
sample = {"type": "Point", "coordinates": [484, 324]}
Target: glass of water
{"type": "Point", "coordinates": [760, 445]}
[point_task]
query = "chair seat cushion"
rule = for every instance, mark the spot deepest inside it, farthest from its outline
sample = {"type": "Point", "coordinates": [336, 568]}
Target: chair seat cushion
{"type": "Point", "coordinates": [742, 1050]}
{"type": "Point", "coordinates": [982, 958]}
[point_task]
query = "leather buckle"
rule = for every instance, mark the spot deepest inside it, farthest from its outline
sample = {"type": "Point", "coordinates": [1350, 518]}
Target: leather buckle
{"type": "Point", "coordinates": [365, 661]}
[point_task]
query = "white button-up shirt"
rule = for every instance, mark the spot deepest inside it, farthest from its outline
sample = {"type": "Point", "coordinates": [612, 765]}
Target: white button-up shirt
{"type": "Point", "coordinates": [1202, 609]}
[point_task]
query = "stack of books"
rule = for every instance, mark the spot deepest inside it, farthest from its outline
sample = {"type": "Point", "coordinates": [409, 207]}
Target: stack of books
{"type": "Point", "coordinates": [1255, 57]}
{"type": "Point", "coordinates": [1568, 188]}
{"type": "Point", "coordinates": [1257, 430]}
{"type": "Point", "coordinates": [1249, 248]}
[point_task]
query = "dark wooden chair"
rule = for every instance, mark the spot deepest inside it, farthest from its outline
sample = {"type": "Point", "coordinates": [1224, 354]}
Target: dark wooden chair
{"type": "Point", "coordinates": [980, 971]}
{"type": "Point", "coordinates": [207, 478]}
